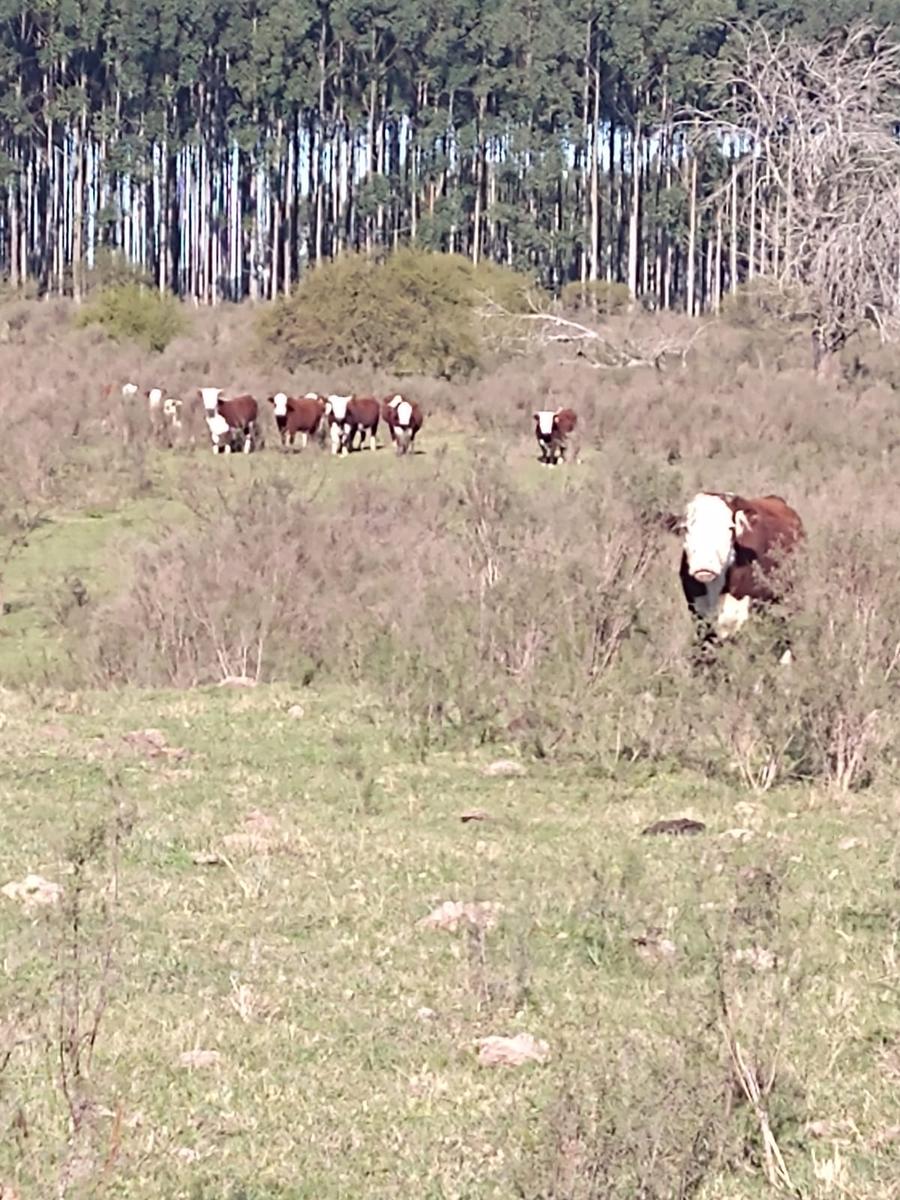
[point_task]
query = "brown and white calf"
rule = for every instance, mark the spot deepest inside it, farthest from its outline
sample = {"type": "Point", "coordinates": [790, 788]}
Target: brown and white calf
{"type": "Point", "coordinates": [731, 550]}
{"type": "Point", "coordinates": [230, 422]}
{"type": "Point", "coordinates": [404, 420]}
{"type": "Point", "coordinates": [295, 415]}
{"type": "Point", "coordinates": [552, 428]}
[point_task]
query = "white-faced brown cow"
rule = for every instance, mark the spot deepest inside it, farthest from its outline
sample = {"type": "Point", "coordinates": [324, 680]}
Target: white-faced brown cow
{"type": "Point", "coordinates": [239, 415]}
{"type": "Point", "coordinates": [297, 414]}
{"type": "Point", "coordinates": [552, 428]}
{"type": "Point", "coordinates": [349, 415]}
{"type": "Point", "coordinates": [731, 550]}
{"type": "Point", "coordinates": [404, 420]}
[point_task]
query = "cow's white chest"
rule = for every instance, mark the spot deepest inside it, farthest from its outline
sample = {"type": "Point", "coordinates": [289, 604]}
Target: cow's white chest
{"type": "Point", "coordinates": [731, 614]}
{"type": "Point", "coordinates": [722, 610]}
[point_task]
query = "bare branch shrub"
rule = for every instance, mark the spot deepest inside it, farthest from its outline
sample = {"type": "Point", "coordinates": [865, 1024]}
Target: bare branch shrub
{"type": "Point", "coordinates": [815, 125]}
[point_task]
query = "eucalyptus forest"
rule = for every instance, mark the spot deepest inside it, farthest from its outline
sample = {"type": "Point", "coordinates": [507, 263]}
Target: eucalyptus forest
{"type": "Point", "coordinates": [223, 146]}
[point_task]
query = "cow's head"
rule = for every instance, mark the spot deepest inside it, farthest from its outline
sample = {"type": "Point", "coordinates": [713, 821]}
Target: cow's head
{"type": "Point", "coordinates": [280, 403]}
{"type": "Point", "coordinates": [210, 397]}
{"type": "Point", "coordinates": [154, 396]}
{"type": "Point", "coordinates": [712, 526]}
{"type": "Point", "coordinates": [404, 414]}
{"type": "Point", "coordinates": [544, 422]}
{"type": "Point", "coordinates": [129, 389]}
{"type": "Point", "coordinates": [336, 407]}
{"type": "Point", "coordinates": [172, 409]}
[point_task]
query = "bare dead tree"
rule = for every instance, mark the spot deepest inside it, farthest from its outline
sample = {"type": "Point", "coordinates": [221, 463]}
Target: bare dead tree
{"type": "Point", "coordinates": [816, 129]}
{"type": "Point", "coordinates": [592, 346]}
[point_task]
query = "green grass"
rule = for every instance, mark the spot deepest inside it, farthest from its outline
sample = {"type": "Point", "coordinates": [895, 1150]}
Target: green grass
{"type": "Point", "coordinates": [301, 963]}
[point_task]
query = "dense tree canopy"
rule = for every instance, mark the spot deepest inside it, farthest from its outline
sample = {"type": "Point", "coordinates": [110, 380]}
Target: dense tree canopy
{"type": "Point", "coordinates": [223, 145]}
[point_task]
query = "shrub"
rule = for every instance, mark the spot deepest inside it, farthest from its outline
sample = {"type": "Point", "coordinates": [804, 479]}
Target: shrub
{"type": "Point", "coordinates": [129, 312]}
{"type": "Point", "coordinates": [413, 312]}
{"type": "Point", "coordinates": [112, 269]}
{"type": "Point", "coordinates": [600, 296]}
{"type": "Point", "coordinates": [763, 303]}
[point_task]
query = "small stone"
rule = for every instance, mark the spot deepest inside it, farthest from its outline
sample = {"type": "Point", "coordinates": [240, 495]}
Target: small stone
{"type": "Point", "coordinates": [199, 1059]}
{"type": "Point", "coordinates": [504, 768]}
{"type": "Point", "coordinates": [296, 712]}
{"type": "Point", "coordinates": [479, 914]}
{"type": "Point", "coordinates": [676, 827]}
{"type": "Point", "coordinates": [495, 1051]}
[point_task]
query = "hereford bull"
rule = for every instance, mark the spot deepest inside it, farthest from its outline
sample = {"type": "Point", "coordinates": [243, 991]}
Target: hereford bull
{"type": "Point", "coordinates": [552, 429]}
{"type": "Point", "coordinates": [295, 415]}
{"type": "Point", "coordinates": [240, 415]}
{"type": "Point", "coordinates": [404, 420]}
{"type": "Point", "coordinates": [731, 550]}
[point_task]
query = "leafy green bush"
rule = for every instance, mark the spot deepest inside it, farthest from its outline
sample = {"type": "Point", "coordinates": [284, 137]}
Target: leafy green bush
{"type": "Point", "coordinates": [414, 312]}
{"type": "Point", "coordinates": [597, 296]}
{"type": "Point", "coordinates": [129, 312]}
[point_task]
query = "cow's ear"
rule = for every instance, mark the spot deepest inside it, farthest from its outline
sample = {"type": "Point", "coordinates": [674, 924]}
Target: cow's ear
{"type": "Point", "coordinates": [672, 523]}
{"type": "Point", "coordinates": [746, 522]}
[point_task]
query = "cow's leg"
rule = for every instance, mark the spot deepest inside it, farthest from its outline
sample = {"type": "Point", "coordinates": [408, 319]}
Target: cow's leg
{"type": "Point", "coordinates": [373, 442]}
{"type": "Point", "coordinates": [335, 439]}
{"type": "Point", "coordinates": [304, 439]}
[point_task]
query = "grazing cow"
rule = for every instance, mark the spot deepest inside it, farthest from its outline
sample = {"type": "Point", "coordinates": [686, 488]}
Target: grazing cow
{"type": "Point", "coordinates": [552, 429]}
{"type": "Point", "coordinates": [295, 415]}
{"type": "Point", "coordinates": [404, 420]}
{"type": "Point", "coordinates": [240, 414]}
{"type": "Point", "coordinates": [731, 548]}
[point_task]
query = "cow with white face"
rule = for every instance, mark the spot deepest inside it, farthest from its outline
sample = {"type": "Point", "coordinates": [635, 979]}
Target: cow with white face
{"type": "Point", "coordinates": [297, 415]}
{"type": "Point", "coordinates": [552, 428]}
{"type": "Point", "coordinates": [172, 411]}
{"type": "Point", "coordinates": [154, 399]}
{"type": "Point", "coordinates": [340, 427]}
{"type": "Point", "coordinates": [239, 414]}
{"type": "Point", "coordinates": [731, 550]}
{"type": "Point", "coordinates": [210, 397]}
{"type": "Point", "coordinates": [404, 420]}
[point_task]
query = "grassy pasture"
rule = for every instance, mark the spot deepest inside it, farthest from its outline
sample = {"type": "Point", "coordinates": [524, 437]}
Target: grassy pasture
{"type": "Point", "coordinates": [297, 958]}
{"type": "Point", "coordinates": [250, 888]}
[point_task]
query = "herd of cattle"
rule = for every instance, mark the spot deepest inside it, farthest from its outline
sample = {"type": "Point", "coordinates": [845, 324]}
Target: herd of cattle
{"type": "Point", "coordinates": [731, 546]}
{"type": "Point", "coordinates": [348, 422]}
{"type": "Point", "coordinates": [233, 423]}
